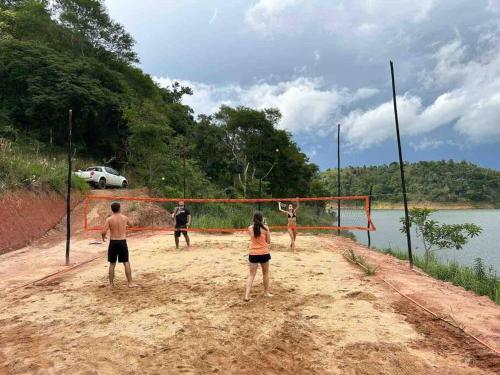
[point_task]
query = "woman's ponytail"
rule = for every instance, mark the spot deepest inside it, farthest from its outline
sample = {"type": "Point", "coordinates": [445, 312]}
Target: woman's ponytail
{"type": "Point", "coordinates": [257, 224]}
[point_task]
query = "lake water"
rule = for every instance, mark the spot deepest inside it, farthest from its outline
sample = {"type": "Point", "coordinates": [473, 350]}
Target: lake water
{"type": "Point", "coordinates": [485, 246]}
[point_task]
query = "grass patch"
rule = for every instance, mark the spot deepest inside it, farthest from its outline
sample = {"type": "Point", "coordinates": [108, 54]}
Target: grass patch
{"type": "Point", "coordinates": [223, 215]}
{"type": "Point", "coordinates": [240, 215]}
{"type": "Point", "coordinates": [480, 279]}
{"type": "Point", "coordinates": [361, 261]}
{"type": "Point", "coordinates": [27, 164]}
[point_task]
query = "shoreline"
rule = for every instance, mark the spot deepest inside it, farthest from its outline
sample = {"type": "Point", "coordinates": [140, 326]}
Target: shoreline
{"type": "Point", "coordinates": [435, 206]}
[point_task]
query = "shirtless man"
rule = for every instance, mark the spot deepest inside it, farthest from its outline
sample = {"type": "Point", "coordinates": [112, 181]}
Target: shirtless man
{"type": "Point", "coordinates": [117, 226]}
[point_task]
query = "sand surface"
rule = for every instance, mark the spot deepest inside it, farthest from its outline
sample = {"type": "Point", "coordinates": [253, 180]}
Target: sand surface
{"type": "Point", "coordinates": [188, 314]}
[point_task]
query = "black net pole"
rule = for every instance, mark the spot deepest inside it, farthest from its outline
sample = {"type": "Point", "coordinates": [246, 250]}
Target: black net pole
{"type": "Point", "coordinates": [68, 195]}
{"type": "Point", "coordinates": [401, 167]}
{"type": "Point", "coordinates": [369, 213]}
{"type": "Point", "coordinates": [184, 177]}
{"type": "Point", "coordinates": [338, 177]}
{"type": "Point", "coordinates": [260, 193]}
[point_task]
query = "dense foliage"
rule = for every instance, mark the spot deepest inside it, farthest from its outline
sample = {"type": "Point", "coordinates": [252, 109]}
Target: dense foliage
{"type": "Point", "coordinates": [427, 181]}
{"type": "Point", "coordinates": [34, 166]}
{"type": "Point", "coordinates": [479, 279]}
{"type": "Point", "coordinates": [62, 54]}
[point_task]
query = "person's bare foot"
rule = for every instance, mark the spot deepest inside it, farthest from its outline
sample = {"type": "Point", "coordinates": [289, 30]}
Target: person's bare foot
{"type": "Point", "coordinates": [132, 285]}
{"type": "Point", "coordinates": [267, 294]}
{"type": "Point", "coordinates": [246, 299]}
{"type": "Point", "coordinates": [111, 286]}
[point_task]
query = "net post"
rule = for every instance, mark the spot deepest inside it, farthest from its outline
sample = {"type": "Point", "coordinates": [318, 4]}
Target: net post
{"type": "Point", "coordinates": [338, 178]}
{"type": "Point", "coordinates": [369, 213]}
{"type": "Point", "coordinates": [401, 167]}
{"type": "Point", "coordinates": [184, 173]}
{"type": "Point", "coordinates": [68, 195]}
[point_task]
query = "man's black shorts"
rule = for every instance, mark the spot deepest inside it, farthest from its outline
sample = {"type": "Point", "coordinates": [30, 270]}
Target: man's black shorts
{"type": "Point", "coordinates": [118, 249]}
{"type": "Point", "coordinates": [179, 230]}
{"type": "Point", "coordinates": [264, 258]}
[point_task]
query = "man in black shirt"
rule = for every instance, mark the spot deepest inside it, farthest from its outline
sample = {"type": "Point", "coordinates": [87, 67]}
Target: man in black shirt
{"type": "Point", "coordinates": [182, 221]}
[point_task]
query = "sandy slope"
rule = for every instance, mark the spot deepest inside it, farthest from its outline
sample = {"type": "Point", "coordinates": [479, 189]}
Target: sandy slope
{"type": "Point", "coordinates": [188, 316]}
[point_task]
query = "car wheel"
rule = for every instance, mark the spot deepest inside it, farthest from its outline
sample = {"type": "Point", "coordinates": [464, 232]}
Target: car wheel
{"type": "Point", "coordinates": [124, 184]}
{"type": "Point", "coordinates": [102, 183]}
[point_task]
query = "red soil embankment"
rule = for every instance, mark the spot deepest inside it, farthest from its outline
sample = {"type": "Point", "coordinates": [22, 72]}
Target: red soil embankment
{"type": "Point", "coordinates": [26, 216]}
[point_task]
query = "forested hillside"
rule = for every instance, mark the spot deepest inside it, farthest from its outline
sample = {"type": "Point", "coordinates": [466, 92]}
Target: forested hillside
{"type": "Point", "coordinates": [62, 54]}
{"type": "Point", "coordinates": [427, 181]}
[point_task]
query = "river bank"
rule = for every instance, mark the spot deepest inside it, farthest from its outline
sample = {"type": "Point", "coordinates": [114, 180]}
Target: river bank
{"type": "Point", "coordinates": [435, 206]}
{"type": "Point", "coordinates": [485, 246]}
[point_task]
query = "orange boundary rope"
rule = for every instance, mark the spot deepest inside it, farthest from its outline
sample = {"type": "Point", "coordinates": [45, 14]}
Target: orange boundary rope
{"type": "Point", "coordinates": [371, 226]}
{"type": "Point", "coordinates": [56, 273]}
{"type": "Point", "coordinates": [427, 310]}
{"type": "Point", "coordinates": [225, 200]}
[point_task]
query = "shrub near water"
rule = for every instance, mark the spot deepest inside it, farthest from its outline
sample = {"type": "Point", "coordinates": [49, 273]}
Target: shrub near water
{"type": "Point", "coordinates": [479, 279]}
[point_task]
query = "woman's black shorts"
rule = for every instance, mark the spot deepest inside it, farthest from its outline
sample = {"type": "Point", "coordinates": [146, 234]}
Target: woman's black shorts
{"type": "Point", "coordinates": [259, 258]}
{"type": "Point", "coordinates": [118, 249]}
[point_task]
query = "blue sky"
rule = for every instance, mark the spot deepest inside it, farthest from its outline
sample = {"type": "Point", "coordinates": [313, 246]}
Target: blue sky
{"type": "Point", "coordinates": [323, 62]}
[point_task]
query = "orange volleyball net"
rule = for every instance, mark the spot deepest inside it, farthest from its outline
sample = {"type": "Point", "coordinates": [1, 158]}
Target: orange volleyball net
{"type": "Point", "coordinates": [233, 215]}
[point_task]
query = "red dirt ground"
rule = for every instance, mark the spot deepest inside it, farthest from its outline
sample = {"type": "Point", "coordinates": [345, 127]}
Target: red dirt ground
{"type": "Point", "coordinates": [27, 216]}
{"type": "Point", "coordinates": [187, 315]}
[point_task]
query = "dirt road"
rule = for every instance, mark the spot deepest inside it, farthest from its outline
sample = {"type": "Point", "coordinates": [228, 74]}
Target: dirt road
{"type": "Point", "coordinates": [188, 314]}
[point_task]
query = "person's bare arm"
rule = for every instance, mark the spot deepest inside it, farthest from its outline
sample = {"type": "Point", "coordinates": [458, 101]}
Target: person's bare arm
{"type": "Point", "coordinates": [297, 206]}
{"type": "Point", "coordinates": [268, 234]}
{"type": "Point", "coordinates": [127, 221]}
{"type": "Point", "coordinates": [175, 212]}
{"type": "Point", "coordinates": [189, 220]}
{"type": "Point", "coordinates": [105, 230]}
{"type": "Point", "coordinates": [279, 208]}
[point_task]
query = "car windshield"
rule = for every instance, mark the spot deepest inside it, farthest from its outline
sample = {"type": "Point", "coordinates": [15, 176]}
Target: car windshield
{"type": "Point", "coordinates": [97, 169]}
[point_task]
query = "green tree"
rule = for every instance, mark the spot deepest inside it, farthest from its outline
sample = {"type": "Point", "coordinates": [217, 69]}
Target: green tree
{"type": "Point", "coordinates": [251, 139]}
{"type": "Point", "coordinates": [91, 24]}
{"type": "Point", "coordinates": [437, 236]}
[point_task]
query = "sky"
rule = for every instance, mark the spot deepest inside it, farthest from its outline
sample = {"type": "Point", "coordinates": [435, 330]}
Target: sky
{"type": "Point", "coordinates": [326, 62]}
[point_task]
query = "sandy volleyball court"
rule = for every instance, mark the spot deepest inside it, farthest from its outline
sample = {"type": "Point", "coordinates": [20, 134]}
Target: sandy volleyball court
{"type": "Point", "coordinates": [188, 314]}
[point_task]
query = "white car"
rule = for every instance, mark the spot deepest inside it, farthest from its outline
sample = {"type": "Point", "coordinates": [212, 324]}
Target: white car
{"type": "Point", "coordinates": [101, 177]}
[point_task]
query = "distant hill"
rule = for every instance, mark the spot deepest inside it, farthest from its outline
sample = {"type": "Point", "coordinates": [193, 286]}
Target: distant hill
{"type": "Point", "coordinates": [427, 181]}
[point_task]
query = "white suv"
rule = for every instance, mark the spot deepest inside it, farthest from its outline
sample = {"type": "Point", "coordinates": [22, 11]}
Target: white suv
{"type": "Point", "coordinates": [101, 177]}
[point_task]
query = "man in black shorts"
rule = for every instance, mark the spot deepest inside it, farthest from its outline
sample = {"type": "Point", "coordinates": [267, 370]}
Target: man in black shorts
{"type": "Point", "coordinates": [182, 221]}
{"type": "Point", "coordinates": [117, 249]}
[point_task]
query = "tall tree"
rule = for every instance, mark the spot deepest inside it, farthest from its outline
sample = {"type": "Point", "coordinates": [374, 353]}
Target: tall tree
{"type": "Point", "coordinates": [91, 24]}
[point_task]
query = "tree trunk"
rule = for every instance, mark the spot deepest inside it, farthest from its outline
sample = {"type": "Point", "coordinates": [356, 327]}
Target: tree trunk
{"type": "Point", "coordinates": [243, 181]}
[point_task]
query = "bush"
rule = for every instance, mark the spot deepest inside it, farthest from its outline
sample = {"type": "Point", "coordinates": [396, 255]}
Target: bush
{"type": "Point", "coordinates": [482, 281]}
{"type": "Point", "coordinates": [26, 164]}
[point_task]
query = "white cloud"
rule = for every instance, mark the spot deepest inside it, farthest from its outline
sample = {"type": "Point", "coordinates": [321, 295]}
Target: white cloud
{"type": "Point", "coordinates": [214, 16]}
{"type": "Point", "coordinates": [362, 17]}
{"type": "Point", "coordinates": [317, 55]}
{"type": "Point", "coordinates": [471, 104]}
{"type": "Point", "coordinates": [265, 15]}
{"type": "Point", "coordinates": [482, 121]}
{"type": "Point", "coordinates": [305, 103]}
{"type": "Point", "coordinates": [493, 6]}
{"type": "Point", "coordinates": [426, 144]}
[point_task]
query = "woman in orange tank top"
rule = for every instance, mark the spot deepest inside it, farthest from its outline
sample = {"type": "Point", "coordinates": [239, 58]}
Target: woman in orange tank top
{"type": "Point", "coordinates": [260, 238]}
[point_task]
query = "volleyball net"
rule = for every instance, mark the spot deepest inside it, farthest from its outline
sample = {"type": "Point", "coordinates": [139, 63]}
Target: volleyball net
{"type": "Point", "coordinates": [233, 215]}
